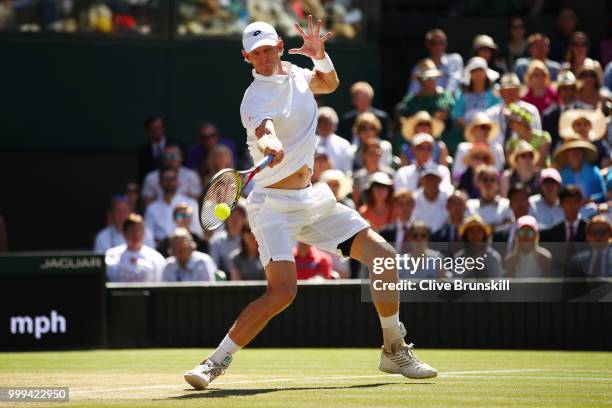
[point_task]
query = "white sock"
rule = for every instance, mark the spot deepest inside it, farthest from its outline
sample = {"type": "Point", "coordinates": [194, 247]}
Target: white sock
{"type": "Point", "coordinates": [226, 348]}
{"type": "Point", "coordinates": [391, 330]}
{"type": "Point", "coordinates": [389, 321]}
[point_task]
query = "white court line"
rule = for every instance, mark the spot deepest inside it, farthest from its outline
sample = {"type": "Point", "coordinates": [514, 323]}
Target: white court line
{"type": "Point", "coordinates": [534, 377]}
{"type": "Point", "coordinates": [272, 380]}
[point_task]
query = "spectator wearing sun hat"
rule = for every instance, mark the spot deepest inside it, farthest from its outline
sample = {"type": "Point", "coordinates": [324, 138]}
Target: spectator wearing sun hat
{"type": "Point", "coordinates": [523, 169]}
{"type": "Point", "coordinates": [520, 121]}
{"type": "Point", "coordinates": [476, 235]}
{"type": "Point", "coordinates": [409, 176]}
{"type": "Point", "coordinates": [484, 46]}
{"type": "Point", "coordinates": [478, 155]}
{"type": "Point", "coordinates": [540, 92]}
{"type": "Point", "coordinates": [527, 258]}
{"type": "Point", "coordinates": [545, 206]}
{"type": "Point", "coordinates": [538, 46]}
{"type": "Point", "coordinates": [477, 94]}
{"type": "Point", "coordinates": [378, 207]}
{"type": "Point", "coordinates": [590, 82]}
{"type": "Point", "coordinates": [574, 159]}
{"type": "Point", "coordinates": [588, 125]}
{"type": "Point", "coordinates": [340, 184]}
{"type": "Point", "coordinates": [509, 91]}
{"type": "Point", "coordinates": [481, 129]}
{"type": "Point", "coordinates": [494, 209]}
{"type": "Point", "coordinates": [423, 122]}
{"type": "Point", "coordinates": [431, 97]}
{"type": "Point", "coordinates": [566, 88]}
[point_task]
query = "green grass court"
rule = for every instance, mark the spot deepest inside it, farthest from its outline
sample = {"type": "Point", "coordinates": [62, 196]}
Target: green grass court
{"type": "Point", "coordinates": [317, 378]}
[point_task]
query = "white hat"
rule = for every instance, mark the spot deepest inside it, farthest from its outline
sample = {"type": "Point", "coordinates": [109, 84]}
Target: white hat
{"type": "Point", "coordinates": [478, 63]}
{"type": "Point", "coordinates": [422, 138]}
{"type": "Point", "coordinates": [258, 34]}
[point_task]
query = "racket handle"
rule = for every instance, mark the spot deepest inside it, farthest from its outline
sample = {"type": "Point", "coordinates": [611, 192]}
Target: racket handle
{"type": "Point", "coordinates": [264, 162]}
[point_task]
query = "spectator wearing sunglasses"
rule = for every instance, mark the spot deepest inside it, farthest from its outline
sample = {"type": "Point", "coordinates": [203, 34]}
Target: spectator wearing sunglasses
{"type": "Point", "coordinates": [370, 156]}
{"type": "Point", "coordinates": [590, 81]}
{"type": "Point", "coordinates": [183, 217]}
{"type": "Point", "coordinates": [494, 209]}
{"type": "Point", "coordinates": [577, 52]}
{"type": "Point", "coordinates": [517, 44]}
{"type": "Point", "coordinates": [208, 138]}
{"type": "Point", "coordinates": [476, 236]}
{"type": "Point", "coordinates": [527, 258]}
{"type": "Point", "coordinates": [482, 130]}
{"type": "Point", "coordinates": [188, 180]}
{"type": "Point", "coordinates": [478, 155]}
{"type": "Point", "coordinates": [523, 169]}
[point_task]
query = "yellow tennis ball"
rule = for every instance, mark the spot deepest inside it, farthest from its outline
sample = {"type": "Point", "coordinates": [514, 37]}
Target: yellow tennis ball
{"type": "Point", "coordinates": [222, 211]}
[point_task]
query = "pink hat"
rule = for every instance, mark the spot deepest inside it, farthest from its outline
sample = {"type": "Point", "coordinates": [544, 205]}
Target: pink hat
{"type": "Point", "coordinates": [527, 220]}
{"type": "Point", "coordinates": [550, 173]}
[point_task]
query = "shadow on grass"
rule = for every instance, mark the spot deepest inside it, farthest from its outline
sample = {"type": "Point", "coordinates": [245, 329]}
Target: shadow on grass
{"type": "Point", "coordinates": [245, 392]}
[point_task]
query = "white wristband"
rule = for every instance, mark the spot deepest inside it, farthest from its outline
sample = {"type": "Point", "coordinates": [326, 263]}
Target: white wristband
{"type": "Point", "coordinates": [268, 140]}
{"type": "Point", "coordinates": [324, 65]}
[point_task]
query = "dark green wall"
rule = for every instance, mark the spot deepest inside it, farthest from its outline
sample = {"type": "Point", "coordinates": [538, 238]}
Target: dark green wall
{"type": "Point", "coordinates": [92, 95]}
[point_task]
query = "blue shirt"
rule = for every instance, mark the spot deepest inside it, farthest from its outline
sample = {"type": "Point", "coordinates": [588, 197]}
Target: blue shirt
{"type": "Point", "coordinates": [589, 180]}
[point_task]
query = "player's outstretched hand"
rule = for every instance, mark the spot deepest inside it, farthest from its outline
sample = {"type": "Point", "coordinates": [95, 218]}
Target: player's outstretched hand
{"type": "Point", "coordinates": [314, 44]}
{"type": "Point", "coordinates": [278, 154]}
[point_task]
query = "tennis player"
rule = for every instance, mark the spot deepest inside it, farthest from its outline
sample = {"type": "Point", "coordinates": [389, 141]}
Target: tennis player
{"type": "Point", "coordinates": [279, 113]}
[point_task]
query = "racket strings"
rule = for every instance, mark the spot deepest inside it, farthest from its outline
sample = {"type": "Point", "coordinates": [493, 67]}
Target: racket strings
{"type": "Point", "coordinates": [223, 188]}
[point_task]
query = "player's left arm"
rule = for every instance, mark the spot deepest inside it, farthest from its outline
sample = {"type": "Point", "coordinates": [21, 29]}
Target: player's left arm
{"type": "Point", "coordinates": [325, 78]}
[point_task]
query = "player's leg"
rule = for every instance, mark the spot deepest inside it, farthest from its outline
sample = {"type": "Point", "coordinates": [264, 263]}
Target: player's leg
{"type": "Point", "coordinates": [397, 357]}
{"type": "Point", "coordinates": [281, 290]}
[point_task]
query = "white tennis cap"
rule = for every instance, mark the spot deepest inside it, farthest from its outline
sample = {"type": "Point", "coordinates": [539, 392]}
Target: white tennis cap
{"type": "Point", "coordinates": [257, 34]}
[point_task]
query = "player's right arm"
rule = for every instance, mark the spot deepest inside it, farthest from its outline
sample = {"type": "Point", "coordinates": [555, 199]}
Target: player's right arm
{"type": "Point", "coordinates": [268, 142]}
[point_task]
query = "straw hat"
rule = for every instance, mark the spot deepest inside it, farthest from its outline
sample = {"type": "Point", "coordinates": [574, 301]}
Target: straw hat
{"type": "Point", "coordinates": [533, 65]}
{"type": "Point", "coordinates": [596, 117]}
{"type": "Point", "coordinates": [427, 69]}
{"type": "Point", "coordinates": [408, 124]}
{"type": "Point", "coordinates": [481, 118]}
{"type": "Point", "coordinates": [523, 147]}
{"type": "Point", "coordinates": [475, 220]}
{"type": "Point", "coordinates": [346, 183]}
{"type": "Point", "coordinates": [476, 149]}
{"type": "Point", "coordinates": [590, 65]}
{"type": "Point", "coordinates": [478, 63]}
{"type": "Point", "coordinates": [560, 155]}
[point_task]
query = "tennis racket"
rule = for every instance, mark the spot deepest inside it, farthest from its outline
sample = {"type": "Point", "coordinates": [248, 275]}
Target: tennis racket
{"type": "Point", "coordinates": [225, 187]}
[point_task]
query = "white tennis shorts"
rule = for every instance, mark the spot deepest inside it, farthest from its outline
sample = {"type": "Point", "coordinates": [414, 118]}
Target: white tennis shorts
{"type": "Point", "coordinates": [311, 215]}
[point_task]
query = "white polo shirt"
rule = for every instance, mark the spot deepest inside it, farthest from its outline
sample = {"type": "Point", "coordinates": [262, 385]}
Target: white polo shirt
{"type": "Point", "coordinates": [158, 216]}
{"type": "Point", "coordinates": [144, 265]}
{"type": "Point", "coordinates": [494, 213]}
{"type": "Point", "coordinates": [288, 101]}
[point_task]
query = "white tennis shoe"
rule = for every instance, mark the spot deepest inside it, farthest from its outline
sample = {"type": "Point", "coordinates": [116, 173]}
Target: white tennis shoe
{"type": "Point", "coordinates": [403, 361]}
{"type": "Point", "coordinates": [203, 374]}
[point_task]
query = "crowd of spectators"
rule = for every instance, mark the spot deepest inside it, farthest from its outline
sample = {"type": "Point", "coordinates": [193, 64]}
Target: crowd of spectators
{"type": "Point", "coordinates": [508, 162]}
{"type": "Point", "coordinates": [194, 17]}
